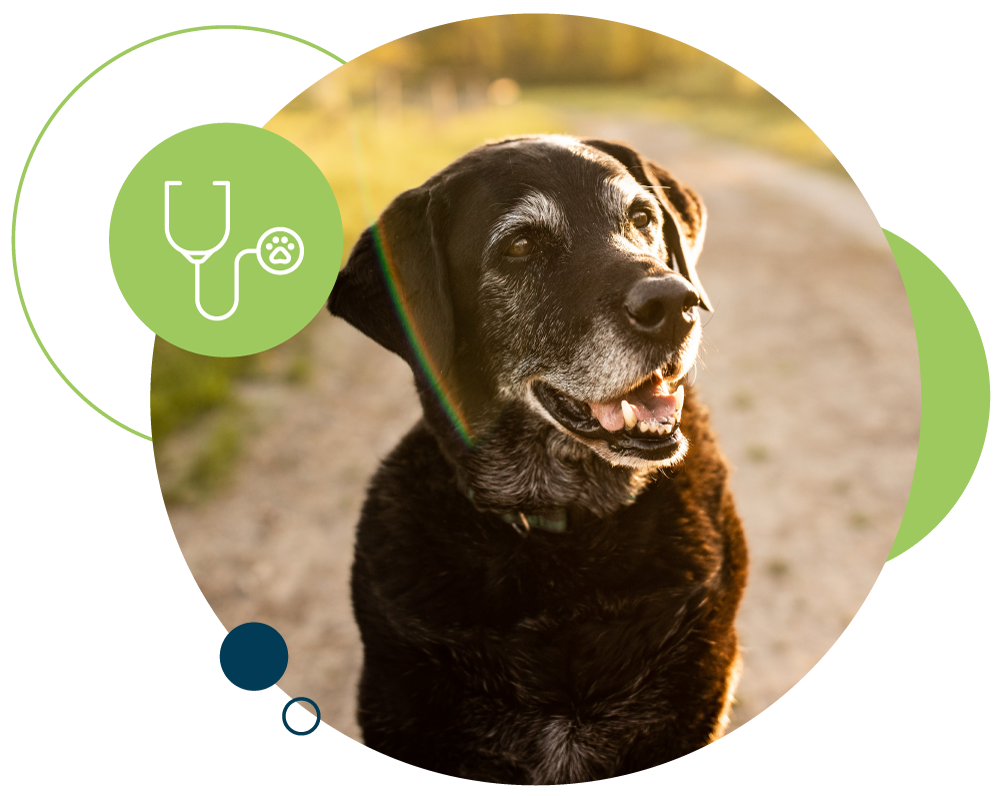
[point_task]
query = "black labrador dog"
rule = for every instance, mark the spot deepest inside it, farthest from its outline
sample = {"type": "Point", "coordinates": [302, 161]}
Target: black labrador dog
{"type": "Point", "coordinates": [548, 566]}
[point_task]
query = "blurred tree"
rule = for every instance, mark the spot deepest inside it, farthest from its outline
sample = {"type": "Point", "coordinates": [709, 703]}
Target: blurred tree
{"type": "Point", "coordinates": [540, 49]}
{"type": "Point", "coordinates": [545, 50]}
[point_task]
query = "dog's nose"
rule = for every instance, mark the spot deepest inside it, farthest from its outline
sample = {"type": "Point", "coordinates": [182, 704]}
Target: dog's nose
{"type": "Point", "coordinates": [662, 307]}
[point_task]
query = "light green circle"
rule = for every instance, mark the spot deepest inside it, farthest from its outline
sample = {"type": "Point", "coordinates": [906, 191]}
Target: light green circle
{"type": "Point", "coordinates": [177, 193]}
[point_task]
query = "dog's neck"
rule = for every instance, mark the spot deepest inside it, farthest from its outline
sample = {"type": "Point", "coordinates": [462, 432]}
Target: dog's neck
{"type": "Point", "coordinates": [525, 465]}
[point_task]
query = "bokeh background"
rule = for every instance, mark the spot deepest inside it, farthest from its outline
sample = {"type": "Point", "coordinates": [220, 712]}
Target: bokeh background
{"type": "Point", "coordinates": [809, 364]}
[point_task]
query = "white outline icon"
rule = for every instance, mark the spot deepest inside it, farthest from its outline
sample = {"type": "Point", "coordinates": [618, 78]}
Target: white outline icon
{"type": "Point", "coordinates": [279, 246]}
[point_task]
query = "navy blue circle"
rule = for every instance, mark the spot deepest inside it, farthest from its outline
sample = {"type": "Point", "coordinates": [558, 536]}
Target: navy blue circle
{"type": "Point", "coordinates": [284, 714]}
{"type": "Point", "coordinates": [254, 656]}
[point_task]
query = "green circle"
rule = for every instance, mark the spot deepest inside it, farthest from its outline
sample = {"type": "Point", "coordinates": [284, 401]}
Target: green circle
{"type": "Point", "coordinates": [254, 291]}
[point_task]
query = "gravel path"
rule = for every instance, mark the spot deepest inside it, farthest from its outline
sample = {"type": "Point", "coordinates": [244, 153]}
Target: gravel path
{"type": "Point", "coordinates": [809, 367]}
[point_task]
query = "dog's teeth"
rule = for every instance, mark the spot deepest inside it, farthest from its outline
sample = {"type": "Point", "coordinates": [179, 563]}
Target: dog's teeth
{"type": "Point", "coordinates": [643, 426]}
{"type": "Point", "coordinates": [628, 414]}
{"type": "Point", "coordinates": [679, 395]}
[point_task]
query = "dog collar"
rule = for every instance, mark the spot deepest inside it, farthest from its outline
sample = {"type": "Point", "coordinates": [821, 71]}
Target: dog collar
{"type": "Point", "coordinates": [551, 520]}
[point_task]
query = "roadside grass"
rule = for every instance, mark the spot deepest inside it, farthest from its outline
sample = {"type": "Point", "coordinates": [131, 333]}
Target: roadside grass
{"type": "Point", "coordinates": [198, 417]}
{"type": "Point", "coordinates": [184, 386]}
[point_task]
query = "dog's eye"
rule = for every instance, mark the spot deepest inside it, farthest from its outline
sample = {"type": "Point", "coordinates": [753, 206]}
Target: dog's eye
{"type": "Point", "coordinates": [521, 247]}
{"type": "Point", "coordinates": [640, 218]}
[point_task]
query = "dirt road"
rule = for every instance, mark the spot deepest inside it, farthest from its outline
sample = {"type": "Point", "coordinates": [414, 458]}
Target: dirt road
{"type": "Point", "coordinates": [810, 370]}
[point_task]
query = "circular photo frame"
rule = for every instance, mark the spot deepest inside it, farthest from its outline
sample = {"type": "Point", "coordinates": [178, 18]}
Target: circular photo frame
{"type": "Point", "coordinates": [822, 363]}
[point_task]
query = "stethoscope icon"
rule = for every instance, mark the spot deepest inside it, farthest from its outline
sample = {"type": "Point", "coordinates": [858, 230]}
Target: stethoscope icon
{"type": "Point", "coordinates": [282, 245]}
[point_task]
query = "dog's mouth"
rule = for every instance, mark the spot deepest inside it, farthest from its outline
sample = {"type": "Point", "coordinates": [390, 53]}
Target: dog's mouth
{"type": "Point", "coordinates": [642, 422]}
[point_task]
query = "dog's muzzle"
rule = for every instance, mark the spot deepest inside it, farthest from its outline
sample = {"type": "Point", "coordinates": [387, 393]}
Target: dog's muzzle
{"type": "Point", "coordinates": [644, 421]}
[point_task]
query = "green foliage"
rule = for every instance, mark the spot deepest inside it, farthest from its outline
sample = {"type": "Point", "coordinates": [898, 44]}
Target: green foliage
{"type": "Point", "coordinates": [184, 386]}
{"type": "Point", "coordinates": [215, 459]}
{"type": "Point", "coordinates": [536, 49]}
{"type": "Point", "coordinates": [198, 421]}
{"type": "Point", "coordinates": [563, 64]}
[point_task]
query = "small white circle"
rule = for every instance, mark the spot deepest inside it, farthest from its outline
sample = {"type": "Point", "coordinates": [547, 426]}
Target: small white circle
{"type": "Point", "coordinates": [297, 246]}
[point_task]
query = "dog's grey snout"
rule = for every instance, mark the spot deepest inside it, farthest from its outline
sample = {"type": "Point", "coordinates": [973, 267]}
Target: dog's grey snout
{"type": "Point", "coordinates": [662, 307]}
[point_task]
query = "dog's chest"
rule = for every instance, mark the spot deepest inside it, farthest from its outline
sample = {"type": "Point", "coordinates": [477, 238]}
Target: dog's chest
{"type": "Point", "coordinates": [570, 690]}
{"type": "Point", "coordinates": [579, 645]}
{"type": "Point", "coordinates": [564, 657]}
{"type": "Point", "coordinates": [570, 620]}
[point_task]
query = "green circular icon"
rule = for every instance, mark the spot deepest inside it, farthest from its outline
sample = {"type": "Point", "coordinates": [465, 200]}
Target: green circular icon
{"type": "Point", "coordinates": [226, 239]}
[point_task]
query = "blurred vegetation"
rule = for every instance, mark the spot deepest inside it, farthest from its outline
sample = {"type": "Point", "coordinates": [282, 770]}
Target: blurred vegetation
{"type": "Point", "coordinates": [393, 117]}
{"type": "Point", "coordinates": [183, 386]}
{"type": "Point", "coordinates": [548, 49]}
{"type": "Point", "coordinates": [568, 63]}
{"type": "Point", "coordinates": [197, 416]}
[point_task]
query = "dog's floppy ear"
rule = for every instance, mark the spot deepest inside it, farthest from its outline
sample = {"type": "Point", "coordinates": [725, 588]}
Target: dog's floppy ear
{"type": "Point", "coordinates": [394, 286]}
{"type": "Point", "coordinates": [684, 225]}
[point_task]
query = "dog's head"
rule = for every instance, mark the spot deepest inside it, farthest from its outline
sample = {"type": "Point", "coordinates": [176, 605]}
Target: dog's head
{"type": "Point", "coordinates": [546, 273]}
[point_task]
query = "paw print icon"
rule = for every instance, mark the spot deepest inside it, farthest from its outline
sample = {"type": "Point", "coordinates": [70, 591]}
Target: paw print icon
{"type": "Point", "coordinates": [280, 255]}
{"type": "Point", "coordinates": [280, 250]}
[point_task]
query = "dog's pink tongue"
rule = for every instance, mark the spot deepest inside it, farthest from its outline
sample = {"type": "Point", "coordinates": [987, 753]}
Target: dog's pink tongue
{"type": "Point", "coordinates": [609, 415]}
{"type": "Point", "coordinates": [650, 402]}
